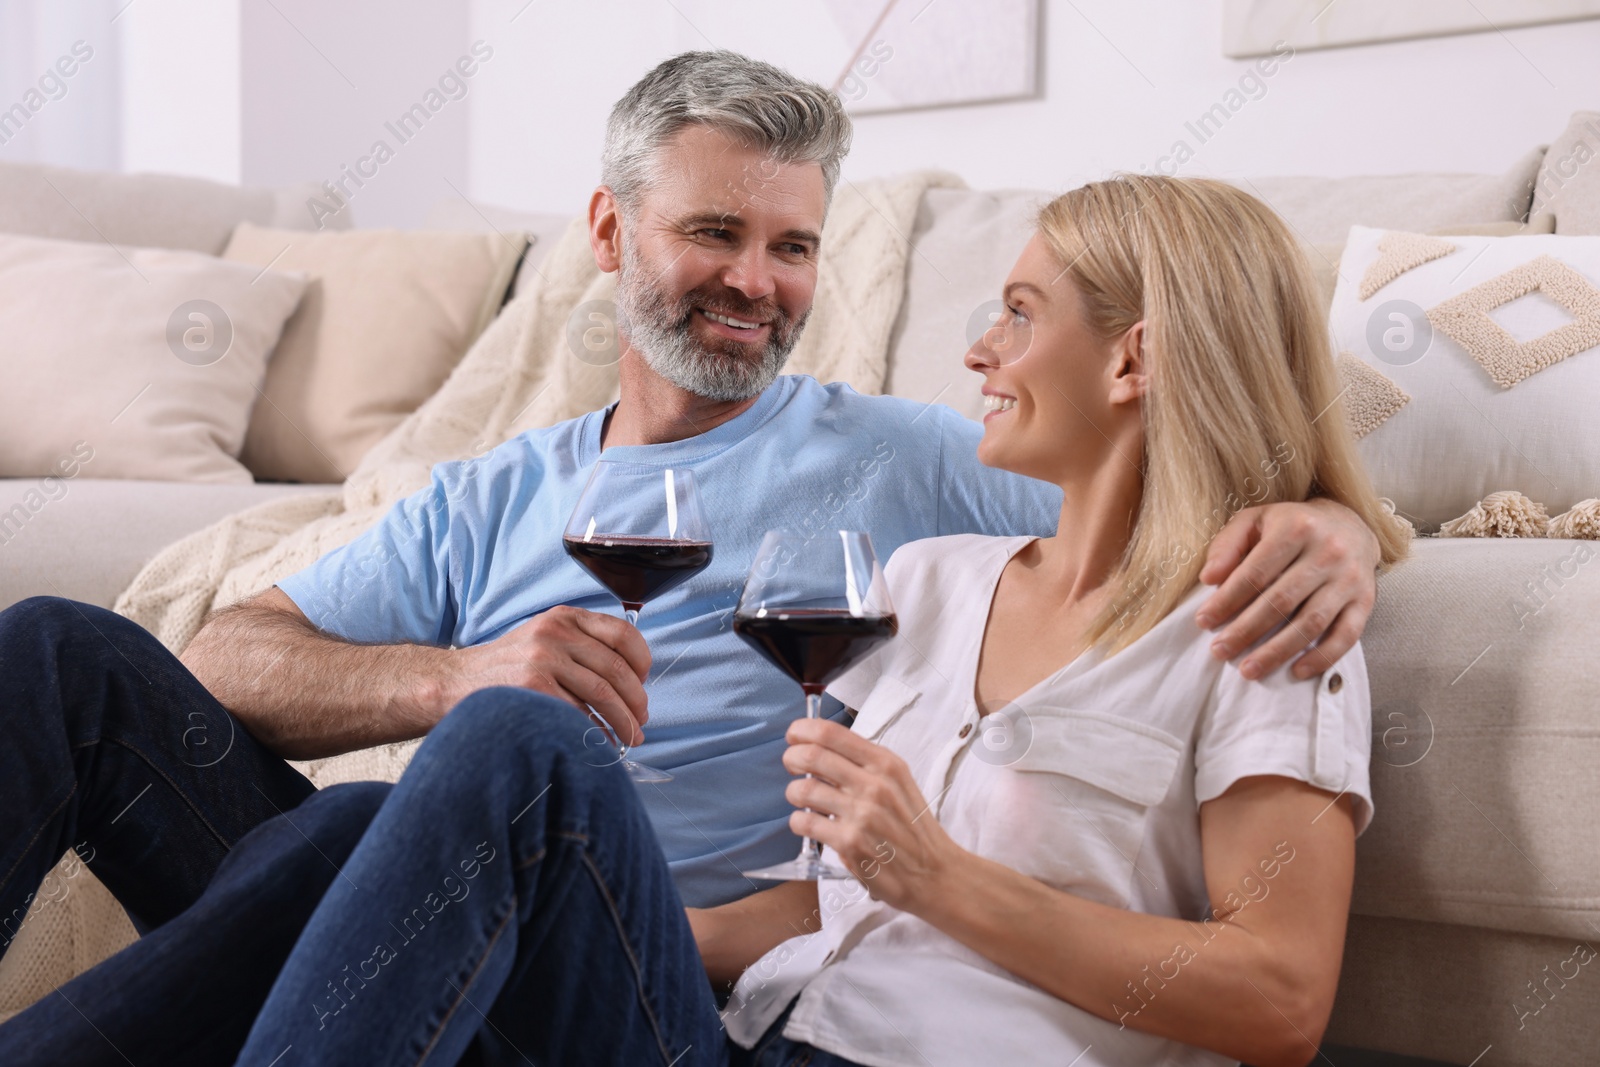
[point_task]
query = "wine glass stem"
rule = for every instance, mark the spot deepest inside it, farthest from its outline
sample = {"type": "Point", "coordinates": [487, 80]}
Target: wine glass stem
{"type": "Point", "coordinates": [809, 848]}
{"type": "Point", "coordinates": [632, 615]}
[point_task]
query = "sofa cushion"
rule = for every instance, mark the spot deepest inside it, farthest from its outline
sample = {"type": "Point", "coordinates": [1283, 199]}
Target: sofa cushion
{"type": "Point", "coordinates": [966, 242]}
{"type": "Point", "coordinates": [146, 210]}
{"type": "Point", "coordinates": [148, 358]}
{"type": "Point", "coordinates": [1486, 735]}
{"type": "Point", "coordinates": [1569, 180]}
{"type": "Point", "coordinates": [1450, 993]}
{"type": "Point", "coordinates": [1324, 209]}
{"type": "Point", "coordinates": [89, 539]}
{"type": "Point", "coordinates": [385, 320]}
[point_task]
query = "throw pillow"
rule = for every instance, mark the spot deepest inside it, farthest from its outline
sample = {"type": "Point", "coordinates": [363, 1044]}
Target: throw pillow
{"type": "Point", "coordinates": [543, 230]}
{"type": "Point", "coordinates": [387, 316]}
{"type": "Point", "coordinates": [146, 361]}
{"type": "Point", "coordinates": [1569, 180]}
{"type": "Point", "coordinates": [1481, 358]}
{"type": "Point", "coordinates": [1324, 258]}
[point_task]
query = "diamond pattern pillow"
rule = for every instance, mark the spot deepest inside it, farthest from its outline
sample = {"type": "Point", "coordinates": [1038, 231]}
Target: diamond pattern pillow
{"type": "Point", "coordinates": [1479, 366]}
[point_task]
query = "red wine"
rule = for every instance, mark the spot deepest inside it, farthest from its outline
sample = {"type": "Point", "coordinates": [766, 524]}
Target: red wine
{"type": "Point", "coordinates": [814, 646]}
{"type": "Point", "coordinates": [638, 568]}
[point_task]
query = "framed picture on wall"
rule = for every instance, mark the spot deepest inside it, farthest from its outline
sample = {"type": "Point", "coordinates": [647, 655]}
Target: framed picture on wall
{"type": "Point", "coordinates": [1253, 27]}
{"type": "Point", "coordinates": [931, 53]}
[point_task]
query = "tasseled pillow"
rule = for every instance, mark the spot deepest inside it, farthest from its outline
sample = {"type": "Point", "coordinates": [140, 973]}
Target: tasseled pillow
{"type": "Point", "coordinates": [1503, 514]}
{"type": "Point", "coordinates": [1581, 521]}
{"type": "Point", "coordinates": [1510, 514]}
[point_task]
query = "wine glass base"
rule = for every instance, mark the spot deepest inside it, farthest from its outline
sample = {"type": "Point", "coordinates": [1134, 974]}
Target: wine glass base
{"type": "Point", "coordinates": [805, 869]}
{"type": "Point", "coordinates": [640, 773]}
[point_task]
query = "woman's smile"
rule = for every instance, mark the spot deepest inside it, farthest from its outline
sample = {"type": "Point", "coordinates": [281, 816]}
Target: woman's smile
{"type": "Point", "coordinates": [997, 404]}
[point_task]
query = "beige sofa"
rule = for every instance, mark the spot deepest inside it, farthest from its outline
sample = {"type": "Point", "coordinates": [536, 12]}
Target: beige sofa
{"type": "Point", "coordinates": [1480, 877]}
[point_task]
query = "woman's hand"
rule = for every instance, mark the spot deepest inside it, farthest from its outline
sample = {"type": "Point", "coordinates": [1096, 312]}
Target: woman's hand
{"type": "Point", "coordinates": [881, 826]}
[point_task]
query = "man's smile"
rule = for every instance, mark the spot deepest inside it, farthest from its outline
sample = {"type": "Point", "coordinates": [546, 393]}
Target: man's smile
{"type": "Point", "coordinates": [742, 329]}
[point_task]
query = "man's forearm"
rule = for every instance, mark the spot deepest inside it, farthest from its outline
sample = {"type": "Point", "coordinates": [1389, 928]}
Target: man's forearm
{"type": "Point", "coordinates": [733, 936]}
{"type": "Point", "coordinates": [305, 694]}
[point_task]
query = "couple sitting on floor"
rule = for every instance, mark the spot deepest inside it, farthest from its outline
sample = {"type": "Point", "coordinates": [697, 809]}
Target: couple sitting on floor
{"type": "Point", "coordinates": [1158, 870]}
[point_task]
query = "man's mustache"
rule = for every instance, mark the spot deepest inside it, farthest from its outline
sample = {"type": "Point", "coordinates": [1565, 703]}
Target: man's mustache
{"type": "Point", "coordinates": [735, 307]}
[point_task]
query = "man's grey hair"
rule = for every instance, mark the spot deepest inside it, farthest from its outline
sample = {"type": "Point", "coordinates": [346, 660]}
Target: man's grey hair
{"type": "Point", "coordinates": [794, 121]}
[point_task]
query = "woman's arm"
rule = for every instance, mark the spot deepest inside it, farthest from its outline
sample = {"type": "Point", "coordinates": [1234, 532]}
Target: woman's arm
{"type": "Point", "coordinates": [1256, 981]}
{"type": "Point", "coordinates": [733, 936]}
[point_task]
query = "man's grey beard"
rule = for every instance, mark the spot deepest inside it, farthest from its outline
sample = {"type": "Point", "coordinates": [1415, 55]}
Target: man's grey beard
{"type": "Point", "coordinates": [660, 331]}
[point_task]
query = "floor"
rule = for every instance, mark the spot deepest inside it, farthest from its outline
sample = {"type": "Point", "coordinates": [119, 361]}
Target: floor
{"type": "Point", "coordinates": [1339, 1056]}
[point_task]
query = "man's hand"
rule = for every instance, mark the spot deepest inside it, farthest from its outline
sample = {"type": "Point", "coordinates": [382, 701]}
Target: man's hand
{"type": "Point", "coordinates": [1311, 566]}
{"type": "Point", "coordinates": [580, 656]}
{"type": "Point", "coordinates": [306, 694]}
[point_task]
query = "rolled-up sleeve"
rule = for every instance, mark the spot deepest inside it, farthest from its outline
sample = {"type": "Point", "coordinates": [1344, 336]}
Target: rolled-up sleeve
{"type": "Point", "coordinates": [1317, 730]}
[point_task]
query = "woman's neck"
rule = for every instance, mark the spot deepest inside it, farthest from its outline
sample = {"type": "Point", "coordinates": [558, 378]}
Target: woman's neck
{"type": "Point", "coordinates": [1097, 517]}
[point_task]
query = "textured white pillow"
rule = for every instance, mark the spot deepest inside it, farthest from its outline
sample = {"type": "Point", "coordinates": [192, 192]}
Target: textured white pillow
{"type": "Point", "coordinates": [1486, 353]}
{"type": "Point", "coordinates": [147, 359]}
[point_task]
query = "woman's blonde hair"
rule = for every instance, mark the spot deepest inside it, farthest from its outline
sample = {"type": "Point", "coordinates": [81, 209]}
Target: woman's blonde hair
{"type": "Point", "coordinates": [1243, 406]}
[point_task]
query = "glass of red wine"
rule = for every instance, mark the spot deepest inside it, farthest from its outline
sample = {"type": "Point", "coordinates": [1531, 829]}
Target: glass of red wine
{"type": "Point", "coordinates": [814, 606]}
{"type": "Point", "coordinates": [639, 531]}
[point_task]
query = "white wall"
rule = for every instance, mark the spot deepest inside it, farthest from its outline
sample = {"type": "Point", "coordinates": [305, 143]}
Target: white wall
{"type": "Point", "coordinates": [1120, 79]}
{"type": "Point", "coordinates": [295, 90]}
{"type": "Point", "coordinates": [539, 120]}
{"type": "Point", "coordinates": [180, 87]}
{"type": "Point", "coordinates": [71, 101]}
{"type": "Point", "coordinates": [259, 92]}
{"type": "Point", "coordinates": [322, 79]}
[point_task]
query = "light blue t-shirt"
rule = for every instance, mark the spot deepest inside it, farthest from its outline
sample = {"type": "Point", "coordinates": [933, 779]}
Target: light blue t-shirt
{"type": "Point", "coordinates": [479, 551]}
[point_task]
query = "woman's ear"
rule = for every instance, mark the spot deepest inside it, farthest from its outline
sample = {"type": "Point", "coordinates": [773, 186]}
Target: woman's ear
{"type": "Point", "coordinates": [1130, 377]}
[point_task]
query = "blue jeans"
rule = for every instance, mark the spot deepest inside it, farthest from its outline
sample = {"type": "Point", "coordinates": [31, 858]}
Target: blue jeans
{"type": "Point", "coordinates": [508, 903]}
{"type": "Point", "coordinates": [113, 748]}
{"type": "Point", "coordinates": [517, 894]}
{"type": "Point", "coordinates": [187, 992]}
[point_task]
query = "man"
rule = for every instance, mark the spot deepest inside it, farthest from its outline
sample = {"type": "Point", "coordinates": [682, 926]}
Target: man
{"type": "Point", "coordinates": [465, 586]}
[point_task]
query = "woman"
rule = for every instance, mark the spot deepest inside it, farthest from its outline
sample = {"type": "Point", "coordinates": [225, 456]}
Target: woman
{"type": "Point", "coordinates": [1148, 851]}
{"type": "Point", "coordinates": [1079, 835]}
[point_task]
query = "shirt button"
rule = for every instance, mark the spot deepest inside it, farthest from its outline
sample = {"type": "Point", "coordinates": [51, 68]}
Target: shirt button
{"type": "Point", "coordinates": [1335, 682]}
{"type": "Point", "coordinates": [965, 730]}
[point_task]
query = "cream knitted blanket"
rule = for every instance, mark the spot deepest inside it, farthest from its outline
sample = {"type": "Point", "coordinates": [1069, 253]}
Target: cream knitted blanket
{"type": "Point", "coordinates": [520, 374]}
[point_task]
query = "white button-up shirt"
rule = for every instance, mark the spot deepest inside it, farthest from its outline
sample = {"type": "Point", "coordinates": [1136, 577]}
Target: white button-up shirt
{"type": "Point", "coordinates": [1091, 782]}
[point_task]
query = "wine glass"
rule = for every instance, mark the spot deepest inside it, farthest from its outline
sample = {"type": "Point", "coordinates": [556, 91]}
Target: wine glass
{"type": "Point", "coordinates": [639, 531]}
{"type": "Point", "coordinates": [814, 606]}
